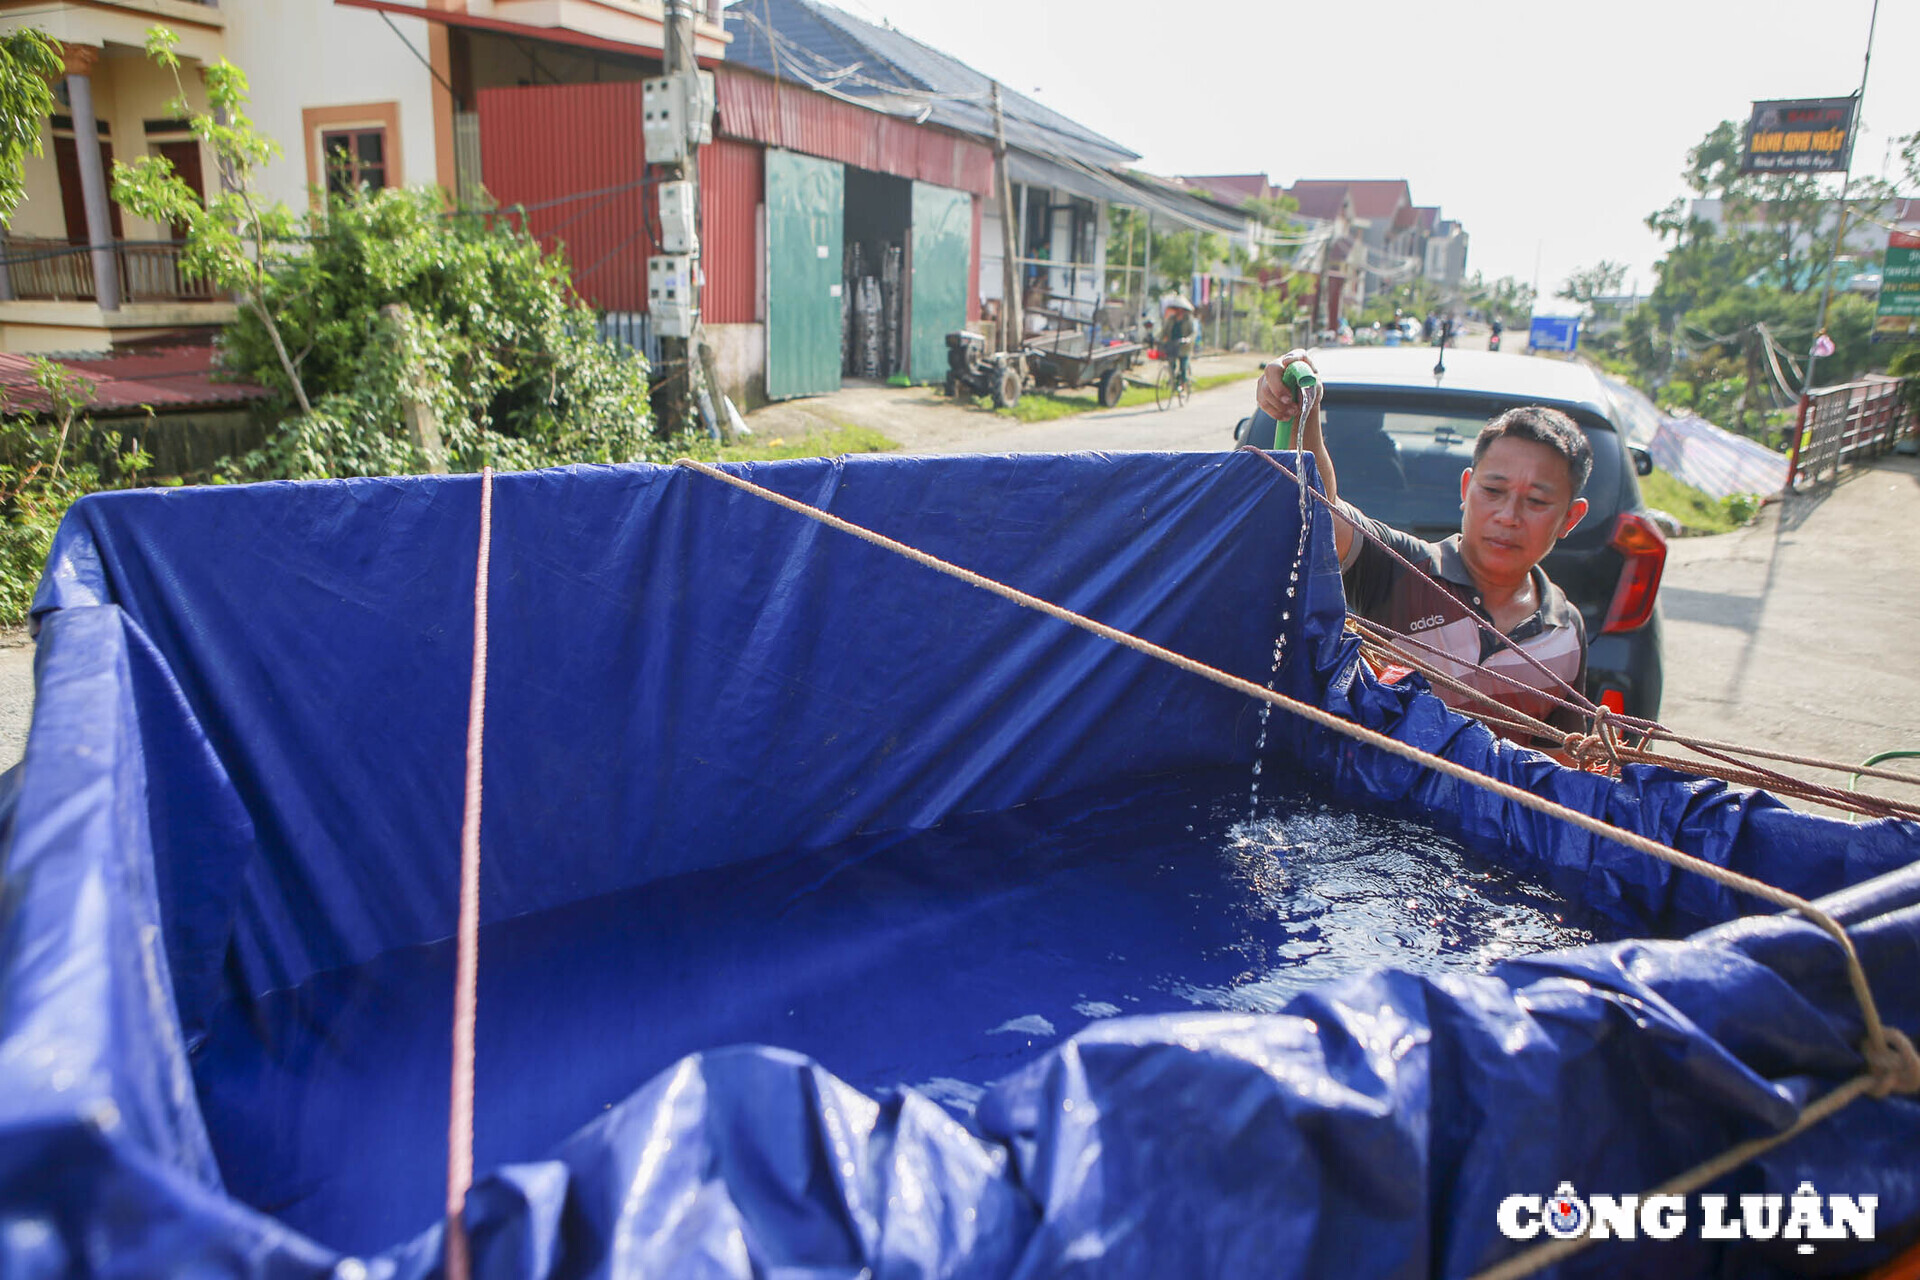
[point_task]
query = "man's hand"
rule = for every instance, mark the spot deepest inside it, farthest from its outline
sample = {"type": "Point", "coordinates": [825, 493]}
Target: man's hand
{"type": "Point", "coordinates": [1279, 400]}
{"type": "Point", "coordinates": [1274, 395]}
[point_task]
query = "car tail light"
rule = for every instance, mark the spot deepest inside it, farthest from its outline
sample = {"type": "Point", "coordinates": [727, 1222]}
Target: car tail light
{"type": "Point", "coordinates": [1614, 700]}
{"type": "Point", "coordinates": [1645, 547]}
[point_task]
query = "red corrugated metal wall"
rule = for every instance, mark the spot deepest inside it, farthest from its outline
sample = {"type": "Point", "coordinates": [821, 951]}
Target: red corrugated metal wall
{"type": "Point", "coordinates": [540, 144]}
{"type": "Point", "coordinates": [573, 156]}
{"type": "Point", "coordinates": [732, 186]}
{"type": "Point", "coordinates": [753, 107]}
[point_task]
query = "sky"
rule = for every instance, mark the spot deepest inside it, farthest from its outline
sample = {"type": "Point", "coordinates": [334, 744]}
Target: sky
{"type": "Point", "coordinates": [1550, 131]}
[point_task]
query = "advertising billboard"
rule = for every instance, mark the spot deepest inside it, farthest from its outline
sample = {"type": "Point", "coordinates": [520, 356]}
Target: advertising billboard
{"type": "Point", "coordinates": [1810, 135]}
{"type": "Point", "coordinates": [1898, 317]}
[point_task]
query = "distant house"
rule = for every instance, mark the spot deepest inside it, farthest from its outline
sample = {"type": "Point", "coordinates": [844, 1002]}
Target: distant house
{"type": "Point", "coordinates": [1328, 207]}
{"type": "Point", "coordinates": [848, 219]}
{"type": "Point", "coordinates": [1445, 254]}
{"type": "Point", "coordinates": [1381, 238]}
{"type": "Point", "coordinates": [1065, 176]}
{"type": "Point", "coordinates": [358, 93]}
{"type": "Point", "coordinates": [1863, 237]}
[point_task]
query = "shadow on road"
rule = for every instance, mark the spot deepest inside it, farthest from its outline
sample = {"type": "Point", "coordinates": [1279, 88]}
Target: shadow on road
{"type": "Point", "coordinates": [1797, 507]}
{"type": "Point", "coordinates": [1713, 608]}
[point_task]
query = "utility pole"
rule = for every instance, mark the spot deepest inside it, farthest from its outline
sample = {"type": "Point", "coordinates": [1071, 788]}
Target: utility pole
{"type": "Point", "coordinates": [1010, 320]}
{"type": "Point", "coordinates": [691, 401]}
{"type": "Point", "coordinates": [1146, 281]}
{"type": "Point", "coordinates": [1839, 233]}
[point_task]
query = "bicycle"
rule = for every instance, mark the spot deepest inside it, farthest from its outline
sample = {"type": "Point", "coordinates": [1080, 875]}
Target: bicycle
{"type": "Point", "coordinates": [1172, 384]}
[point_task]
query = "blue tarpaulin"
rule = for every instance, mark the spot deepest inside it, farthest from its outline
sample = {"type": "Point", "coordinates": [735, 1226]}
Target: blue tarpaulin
{"type": "Point", "coordinates": [234, 835]}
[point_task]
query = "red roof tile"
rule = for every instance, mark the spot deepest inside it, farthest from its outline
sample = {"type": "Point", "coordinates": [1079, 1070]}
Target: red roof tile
{"type": "Point", "coordinates": [1319, 200]}
{"type": "Point", "coordinates": [163, 377]}
{"type": "Point", "coordinates": [1380, 198]}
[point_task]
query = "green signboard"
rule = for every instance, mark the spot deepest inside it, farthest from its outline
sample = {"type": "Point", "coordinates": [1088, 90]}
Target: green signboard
{"type": "Point", "coordinates": [1898, 319]}
{"type": "Point", "coordinates": [942, 247]}
{"type": "Point", "coordinates": [806, 208]}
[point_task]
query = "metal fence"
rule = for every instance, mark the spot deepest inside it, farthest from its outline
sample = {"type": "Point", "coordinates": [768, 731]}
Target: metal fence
{"type": "Point", "coordinates": [1847, 423]}
{"type": "Point", "coordinates": [62, 271]}
{"type": "Point", "coordinates": [632, 330]}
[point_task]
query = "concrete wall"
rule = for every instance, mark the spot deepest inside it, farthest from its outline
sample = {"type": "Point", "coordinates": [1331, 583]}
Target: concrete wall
{"type": "Point", "coordinates": [304, 53]}
{"type": "Point", "coordinates": [740, 358]}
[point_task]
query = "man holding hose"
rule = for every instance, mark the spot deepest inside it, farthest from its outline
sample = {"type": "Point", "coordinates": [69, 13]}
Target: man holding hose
{"type": "Point", "coordinates": [1520, 496]}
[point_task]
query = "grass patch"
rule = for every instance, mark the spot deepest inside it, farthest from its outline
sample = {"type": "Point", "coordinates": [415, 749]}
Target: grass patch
{"type": "Point", "coordinates": [1045, 406]}
{"type": "Point", "coordinates": [1698, 513]}
{"type": "Point", "coordinates": [831, 443]}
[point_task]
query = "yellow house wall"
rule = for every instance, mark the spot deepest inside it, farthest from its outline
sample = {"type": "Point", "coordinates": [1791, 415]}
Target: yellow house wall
{"type": "Point", "coordinates": [40, 213]}
{"type": "Point", "coordinates": [140, 91]}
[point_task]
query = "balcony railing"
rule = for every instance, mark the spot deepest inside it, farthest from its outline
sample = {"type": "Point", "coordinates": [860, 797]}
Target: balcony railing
{"type": "Point", "coordinates": [62, 271]}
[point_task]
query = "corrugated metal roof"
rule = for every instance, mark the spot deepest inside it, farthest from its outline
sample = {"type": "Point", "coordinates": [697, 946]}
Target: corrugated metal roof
{"type": "Point", "coordinates": [821, 45]}
{"type": "Point", "coordinates": [166, 378]}
{"type": "Point", "coordinates": [754, 107]}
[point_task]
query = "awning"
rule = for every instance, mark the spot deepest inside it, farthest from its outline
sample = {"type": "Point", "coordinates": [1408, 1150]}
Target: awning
{"type": "Point", "coordinates": [1092, 183]}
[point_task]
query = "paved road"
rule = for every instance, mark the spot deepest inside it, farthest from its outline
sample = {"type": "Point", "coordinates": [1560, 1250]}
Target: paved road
{"type": "Point", "coordinates": [1797, 632]}
{"type": "Point", "coordinates": [16, 695]}
{"type": "Point", "coordinates": [1203, 425]}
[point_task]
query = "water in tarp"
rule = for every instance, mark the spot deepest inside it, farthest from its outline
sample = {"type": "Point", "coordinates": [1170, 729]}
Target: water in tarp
{"type": "Point", "coordinates": [941, 959]}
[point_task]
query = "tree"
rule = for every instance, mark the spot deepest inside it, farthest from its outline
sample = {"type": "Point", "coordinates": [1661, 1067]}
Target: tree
{"type": "Point", "coordinates": [1508, 299]}
{"type": "Point", "coordinates": [395, 303]}
{"type": "Point", "coordinates": [29, 61]}
{"type": "Point", "coordinates": [232, 235]}
{"type": "Point", "coordinates": [1588, 284]}
{"type": "Point", "coordinates": [1176, 252]}
{"type": "Point", "coordinates": [1762, 268]}
{"type": "Point", "coordinates": [50, 455]}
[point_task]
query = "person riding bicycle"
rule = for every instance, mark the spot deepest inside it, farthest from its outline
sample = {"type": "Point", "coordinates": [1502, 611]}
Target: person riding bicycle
{"type": "Point", "coordinates": [1179, 335]}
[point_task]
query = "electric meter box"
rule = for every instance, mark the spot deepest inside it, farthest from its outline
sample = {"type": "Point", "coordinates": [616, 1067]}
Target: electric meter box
{"type": "Point", "coordinates": [670, 294]}
{"type": "Point", "coordinates": [679, 227]}
{"type": "Point", "coordinates": [676, 112]}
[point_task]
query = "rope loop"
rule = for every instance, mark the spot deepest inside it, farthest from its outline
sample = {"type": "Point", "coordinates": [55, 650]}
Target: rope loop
{"type": "Point", "coordinates": [1894, 1062]}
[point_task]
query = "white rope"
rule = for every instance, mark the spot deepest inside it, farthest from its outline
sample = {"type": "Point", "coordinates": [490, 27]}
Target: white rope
{"type": "Point", "coordinates": [466, 989]}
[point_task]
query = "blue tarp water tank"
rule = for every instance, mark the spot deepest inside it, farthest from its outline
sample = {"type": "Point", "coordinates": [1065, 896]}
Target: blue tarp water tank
{"type": "Point", "coordinates": [231, 870]}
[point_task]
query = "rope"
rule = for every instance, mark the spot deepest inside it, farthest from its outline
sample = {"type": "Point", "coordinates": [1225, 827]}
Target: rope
{"type": "Point", "coordinates": [1646, 728]}
{"type": "Point", "coordinates": [1603, 742]}
{"type": "Point", "coordinates": [466, 989]}
{"type": "Point", "coordinates": [1876, 1032]}
{"type": "Point", "coordinates": [1892, 1063]}
{"type": "Point", "coordinates": [1899, 1072]}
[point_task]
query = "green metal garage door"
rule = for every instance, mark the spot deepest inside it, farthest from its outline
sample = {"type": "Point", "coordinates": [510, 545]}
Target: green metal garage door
{"type": "Point", "coordinates": [942, 244]}
{"type": "Point", "coordinates": [806, 209]}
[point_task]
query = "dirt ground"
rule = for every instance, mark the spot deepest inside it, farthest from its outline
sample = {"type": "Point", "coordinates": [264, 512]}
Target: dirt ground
{"type": "Point", "coordinates": [922, 420]}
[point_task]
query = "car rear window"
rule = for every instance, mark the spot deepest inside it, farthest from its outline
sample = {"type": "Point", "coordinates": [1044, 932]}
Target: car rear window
{"type": "Point", "coordinates": [1401, 464]}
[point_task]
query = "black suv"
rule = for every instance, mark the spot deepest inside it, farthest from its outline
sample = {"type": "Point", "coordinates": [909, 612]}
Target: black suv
{"type": "Point", "coordinates": [1400, 435]}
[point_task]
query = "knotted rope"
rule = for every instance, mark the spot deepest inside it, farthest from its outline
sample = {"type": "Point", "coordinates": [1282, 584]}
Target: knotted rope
{"type": "Point", "coordinates": [1889, 1055]}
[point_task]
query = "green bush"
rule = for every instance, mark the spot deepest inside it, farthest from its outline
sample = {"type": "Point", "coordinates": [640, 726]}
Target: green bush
{"type": "Point", "coordinates": [46, 464]}
{"type": "Point", "coordinates": [491, 338]}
